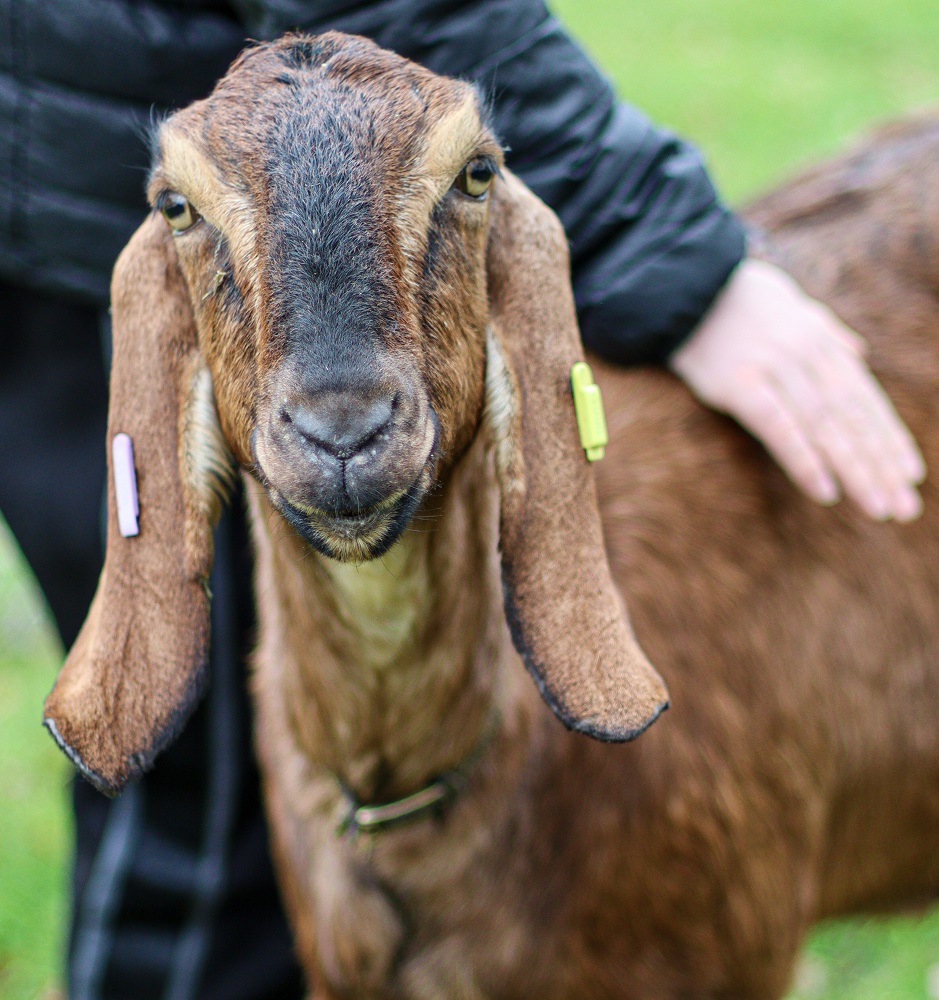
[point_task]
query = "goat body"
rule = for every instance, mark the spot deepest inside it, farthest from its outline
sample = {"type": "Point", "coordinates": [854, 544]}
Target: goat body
{"type": "Point", "coordinates": [796, 776]}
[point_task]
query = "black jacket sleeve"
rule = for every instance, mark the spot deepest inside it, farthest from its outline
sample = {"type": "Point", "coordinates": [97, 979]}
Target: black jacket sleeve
{"type": "Point", "coordinates": [79, 85]}
{"type": "Point", "coordinates": [651, 243]}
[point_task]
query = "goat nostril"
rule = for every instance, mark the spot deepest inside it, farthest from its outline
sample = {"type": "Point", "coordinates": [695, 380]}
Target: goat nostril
{"type": "Point", "coordinates": [340, 424]}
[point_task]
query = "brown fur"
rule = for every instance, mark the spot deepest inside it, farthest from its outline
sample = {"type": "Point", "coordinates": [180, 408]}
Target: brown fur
{"type": "Point", "coordinates": [796, 776]}
{"type": "Point", "coordinates": [150, 616]}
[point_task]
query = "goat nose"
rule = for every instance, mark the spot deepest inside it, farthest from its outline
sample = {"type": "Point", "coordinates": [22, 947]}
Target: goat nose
{"type": "Point", "coordinates": [341, 424]}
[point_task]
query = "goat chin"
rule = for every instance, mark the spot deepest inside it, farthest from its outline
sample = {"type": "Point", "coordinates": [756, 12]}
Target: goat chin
{"type": "Point", "coordinates": [796, 776]}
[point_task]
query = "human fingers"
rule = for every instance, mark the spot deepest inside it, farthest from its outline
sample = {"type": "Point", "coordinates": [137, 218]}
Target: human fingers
{"type": "Point", "coordinates": [769, 416]}
{"type": "Point", "coordinates": [850, 419]}
{"type": "Point", "coordinates": [868, 446]}
{"type": "Point", "coordinates": [869, 398]}
{"type": "Point", "coordinates": [836, 428]}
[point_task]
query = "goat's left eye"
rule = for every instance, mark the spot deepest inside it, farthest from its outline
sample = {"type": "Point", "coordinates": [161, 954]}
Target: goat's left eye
{"type": "Point", "coordinates": [178, 212]}
{"type": "Point", "coordinates": [474, 179]}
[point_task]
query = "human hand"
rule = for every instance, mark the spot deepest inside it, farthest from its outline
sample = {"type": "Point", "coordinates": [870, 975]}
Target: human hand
{"type": "Point", "coordinates": [789, 371]}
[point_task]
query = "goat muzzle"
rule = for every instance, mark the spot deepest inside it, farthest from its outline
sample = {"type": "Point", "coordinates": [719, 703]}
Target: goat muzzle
{"type": "Point", "coordinates": [348, 467]}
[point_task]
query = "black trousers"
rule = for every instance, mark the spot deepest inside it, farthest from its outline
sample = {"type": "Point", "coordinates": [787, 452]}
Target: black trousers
{"type": "Point", "coordinates": [173, 893]}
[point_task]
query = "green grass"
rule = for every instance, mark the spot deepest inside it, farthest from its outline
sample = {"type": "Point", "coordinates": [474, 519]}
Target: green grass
{"type": "Point", "coordinates": [34, 822]}
{"type": "Point", "coordinates": [763, 86]}
{"type": "Point", "coordinates": [889, 959]}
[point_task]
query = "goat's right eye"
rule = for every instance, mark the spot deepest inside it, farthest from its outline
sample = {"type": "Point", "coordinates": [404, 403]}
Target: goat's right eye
{"type": "Point", "coordinates": [473, 180]}
{"type": "Point", "coordinates": [178, 212]}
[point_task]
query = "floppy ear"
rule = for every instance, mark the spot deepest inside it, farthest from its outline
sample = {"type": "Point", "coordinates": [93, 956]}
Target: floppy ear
{"type": "Point", "coordinates": [565, 614]}
{"type": "Point", "coordinates": [138, 666]}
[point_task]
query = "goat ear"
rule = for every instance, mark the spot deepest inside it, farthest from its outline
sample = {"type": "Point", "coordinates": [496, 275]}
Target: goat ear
{"type": "Point", "coordinates": [138, 666]}
{"type": "Point", "coordinates": [565, 614]}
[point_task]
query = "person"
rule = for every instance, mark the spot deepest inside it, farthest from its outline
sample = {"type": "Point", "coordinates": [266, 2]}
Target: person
{"type": "Point", "coordinates": [173, 894]}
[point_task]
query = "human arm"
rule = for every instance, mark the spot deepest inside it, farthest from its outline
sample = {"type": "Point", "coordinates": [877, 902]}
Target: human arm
{"type": "Point", "coordinates": [651, 244]}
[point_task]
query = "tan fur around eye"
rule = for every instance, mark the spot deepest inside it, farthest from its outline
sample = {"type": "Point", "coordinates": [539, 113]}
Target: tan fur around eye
{"type": "Point", "coordinates": [449, 143]}
{"type": "Point", "coordinates": [185, 168]}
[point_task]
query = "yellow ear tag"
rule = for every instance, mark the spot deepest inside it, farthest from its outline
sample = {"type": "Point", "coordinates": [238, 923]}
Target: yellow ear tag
{"type": "Point", "coordinates": [588, 407]}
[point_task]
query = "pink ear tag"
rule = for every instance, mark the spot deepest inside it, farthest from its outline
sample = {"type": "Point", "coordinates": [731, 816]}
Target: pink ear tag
{"type": "Point", "coordinates": [125, 485]}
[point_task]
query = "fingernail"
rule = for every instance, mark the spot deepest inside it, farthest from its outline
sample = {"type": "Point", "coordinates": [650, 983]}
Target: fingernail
{"type": "Point", "coordinates": [826, 491]}
{"type": "Point", "coordinates": [908, 506]}
{"type": "Point", "coordinates": [916, 469]}
{"type": "Point", "coordinates": [878, 505]}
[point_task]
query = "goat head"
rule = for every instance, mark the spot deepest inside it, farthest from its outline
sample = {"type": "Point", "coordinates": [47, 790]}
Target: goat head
{"type": "Point", "coordinates": [339, 287]}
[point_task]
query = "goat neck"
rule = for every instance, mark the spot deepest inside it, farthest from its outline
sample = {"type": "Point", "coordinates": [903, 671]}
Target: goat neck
{"type": "Point", "coordinates": [386, 671]}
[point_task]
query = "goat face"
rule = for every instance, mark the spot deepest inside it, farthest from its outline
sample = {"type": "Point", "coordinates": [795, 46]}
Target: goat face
{"type": "Point", "coordinates": [334, 291]}
{"type": "Point", "coordinates": [330, 202]}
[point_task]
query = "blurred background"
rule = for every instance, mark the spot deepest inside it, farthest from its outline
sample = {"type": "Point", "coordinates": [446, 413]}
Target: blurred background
{"type": "Point", "coordinates": [762, 87]}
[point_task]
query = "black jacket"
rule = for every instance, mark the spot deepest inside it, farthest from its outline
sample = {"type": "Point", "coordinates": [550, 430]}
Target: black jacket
{"type": "Point", "coordinates": [81, 79]}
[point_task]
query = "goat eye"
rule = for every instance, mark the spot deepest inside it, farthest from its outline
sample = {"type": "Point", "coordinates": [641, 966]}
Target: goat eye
{"type": "Point", "coordinates": [178, 212]}
{"type": "Point", "coordinates": [474, 179]}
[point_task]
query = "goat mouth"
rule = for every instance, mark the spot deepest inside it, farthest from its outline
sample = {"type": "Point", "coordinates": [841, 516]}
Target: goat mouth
{"type": "Point", "coordinates": [355, 536]}
{"type": "Point", "coordinates": [361, 534]}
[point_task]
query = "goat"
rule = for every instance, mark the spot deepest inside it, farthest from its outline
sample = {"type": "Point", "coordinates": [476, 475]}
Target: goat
{"type": "Point", "coordinates": [386, 351]}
